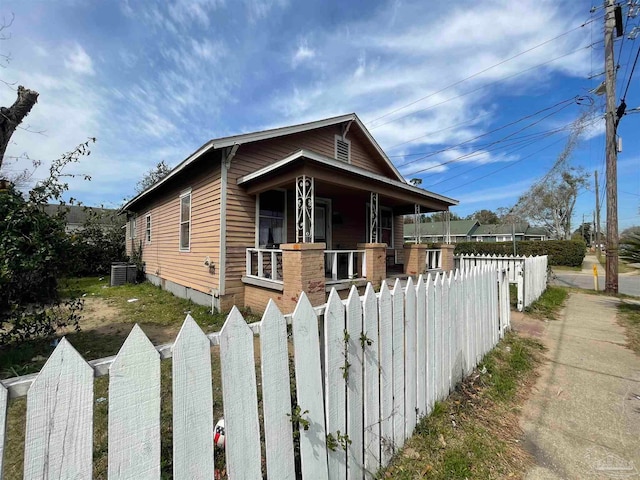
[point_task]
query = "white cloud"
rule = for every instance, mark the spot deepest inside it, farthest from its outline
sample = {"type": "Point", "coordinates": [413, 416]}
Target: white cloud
{"type": "Point", "coordinates": [302, 53]}
{"type": "Point", "coordinates": [260, 9]}
{"type": "Point", "coordinates": [79, 61]}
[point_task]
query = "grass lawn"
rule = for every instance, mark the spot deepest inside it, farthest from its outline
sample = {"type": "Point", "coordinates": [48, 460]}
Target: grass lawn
{"type": "Point", "coordinates": [475, 432]}
{"type": "Point", "coordinates": [629, 318]}
{"type": "Point", "coordinates": [549, 303]}
{"type": "Point", "coordinates": [623, 267]}
{"type": "Point", "coordinates": [566, 268]}
{"type": "Point", "coordinates": [107, 319]}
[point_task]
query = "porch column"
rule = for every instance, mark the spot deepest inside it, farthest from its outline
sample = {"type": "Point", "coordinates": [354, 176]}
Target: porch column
{"type": "Point", "coordinates": [305, 204]}
{"type": "Point", "coordinates": [416, 222]}
{"type": "Point", "coordinates": [448, 262]}
{"type": "Point", "coordinates": [302, 271]}
{"type": "Point", "coordinates": [415, 259]}
{"type": "Point", "coordinates": [373, 218]}
{"type": "Point", "coordinates": [375, 262]}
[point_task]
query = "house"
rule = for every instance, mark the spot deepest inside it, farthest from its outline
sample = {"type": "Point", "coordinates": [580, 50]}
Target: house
{"type": "Point", "coordinates": [434, 232]}
{"type": "Point", "coordinates": [500, 233]}
{"type": "Point", "coordinates": [268, 214]}
{"type": "Point", "coordinates": [76, 216]}
{"type": "Point", "coordinates": [537, 234]}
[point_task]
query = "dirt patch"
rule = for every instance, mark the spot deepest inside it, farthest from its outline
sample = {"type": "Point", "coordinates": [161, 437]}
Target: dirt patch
{"type": "Point", "coordinates": [104, 317]}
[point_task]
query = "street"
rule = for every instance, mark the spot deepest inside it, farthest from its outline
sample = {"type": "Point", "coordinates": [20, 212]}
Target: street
{"type": "Point", "coordinates": [628, 283]}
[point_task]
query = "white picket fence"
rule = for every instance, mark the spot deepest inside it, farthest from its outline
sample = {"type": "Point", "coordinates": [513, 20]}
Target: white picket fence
{"type": "Point", "coordinates": [369, 367]}
{"type": "Point", "coordinates": [528, 273]}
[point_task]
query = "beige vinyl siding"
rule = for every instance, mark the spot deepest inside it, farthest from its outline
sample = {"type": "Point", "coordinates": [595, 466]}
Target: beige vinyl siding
{"type": "Point", "coordinates": [162, 256]}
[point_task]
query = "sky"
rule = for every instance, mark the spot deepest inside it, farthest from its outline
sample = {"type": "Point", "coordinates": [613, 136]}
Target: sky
{"type": "Point", "coordinates": [475, 98]}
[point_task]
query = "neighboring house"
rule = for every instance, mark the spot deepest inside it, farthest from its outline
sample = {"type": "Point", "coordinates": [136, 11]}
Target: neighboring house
{"type": "Point", "coordinates": [499, 233]}
{"type": "Point", "coordinates": [436, 232]}
{"type": "Point", "coordinates": [537, 234]}
{"type": "Point", "coordinates": [267, 214]}
{"type": "Point", "coordinates": [76, 216]}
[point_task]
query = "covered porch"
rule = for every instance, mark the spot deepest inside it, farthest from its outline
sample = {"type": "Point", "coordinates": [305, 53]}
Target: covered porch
{"type": "Point", "coordinates": [343, 224]}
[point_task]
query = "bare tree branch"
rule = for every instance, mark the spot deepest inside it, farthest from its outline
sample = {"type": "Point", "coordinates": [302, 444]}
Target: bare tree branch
{"type": "Point", "coordinates": [11, 117]}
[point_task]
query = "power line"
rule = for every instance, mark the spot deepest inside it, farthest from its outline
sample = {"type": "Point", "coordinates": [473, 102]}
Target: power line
{"type": "Point", "coordinates": [506, 166]}
{"type": "Point", "coordinates": [495, 82]}
{"type": "Point", "coordinates": [492, 143]}
{"type": "Point", "coordinates": [631, 76]}
{"type": "Point", "coordinates": [529, 142]}
{"type": "Point", "coordinates": [482, 71]}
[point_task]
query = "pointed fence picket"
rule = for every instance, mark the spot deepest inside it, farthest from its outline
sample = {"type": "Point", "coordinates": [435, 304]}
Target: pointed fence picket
{"type": "Point", "coordinates": [192, 404]}
{"type": "Point", "coordinates": [134, 409]}
{"type": "Point", "coordinates": [276, 398]}
{"type": "Point", "coordinates": [59, 420]}
{"type": "Point", "coordinates": [371, 342]}
{"type": "Point", "coordinates": [334, 381]}
{"type": "Point", "coordinates": [387, 358]}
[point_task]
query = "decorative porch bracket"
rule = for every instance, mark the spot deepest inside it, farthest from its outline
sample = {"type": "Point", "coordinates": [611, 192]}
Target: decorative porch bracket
{"type": "Point", "coordinates": [305, 202]}
{"type": "Point", "coordinates": [416, 222]}
{"type": "Point", "coordinates": [373, 218]}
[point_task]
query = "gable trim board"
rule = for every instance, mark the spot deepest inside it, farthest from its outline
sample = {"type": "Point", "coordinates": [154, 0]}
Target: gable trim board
{"type": "Point", "coordinates": [348, 168]}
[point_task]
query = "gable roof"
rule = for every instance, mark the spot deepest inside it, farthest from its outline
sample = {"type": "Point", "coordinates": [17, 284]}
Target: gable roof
{"type": "Point", "coordinates": [432, 229]}
{"type": "Point", "coordinates": [533, 230]}
{"type": "Point", "coordinates": [78, 214]}
{"type": "Point", "coordinates": [501, 229]}
{"type": "Point", "coordinates": [231, 141]}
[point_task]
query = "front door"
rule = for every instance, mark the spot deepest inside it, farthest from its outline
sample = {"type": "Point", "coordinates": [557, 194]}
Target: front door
{"type": "Point", "coordinates": [322, 222]}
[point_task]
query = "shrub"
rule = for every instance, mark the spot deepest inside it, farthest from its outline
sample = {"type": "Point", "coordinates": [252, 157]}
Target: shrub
{"type": "Point", "coordinates": [560, 252]}
{"type": "Point", "coordinates": [97, 244]}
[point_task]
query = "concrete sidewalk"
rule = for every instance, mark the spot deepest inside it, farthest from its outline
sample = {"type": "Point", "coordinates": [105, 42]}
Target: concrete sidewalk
{"type": "Point", "coordinates": [583, 418]}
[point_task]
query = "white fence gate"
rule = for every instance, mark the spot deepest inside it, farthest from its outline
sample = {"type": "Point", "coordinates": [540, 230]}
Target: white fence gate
{"type": "Point", "coordinates": [528, 273]}
{"type": "Point", "coordinates": [387, 357]}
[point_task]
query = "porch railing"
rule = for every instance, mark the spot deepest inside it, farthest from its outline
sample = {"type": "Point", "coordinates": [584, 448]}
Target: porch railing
{"type": "Point", "coordinates": [265, 263]}
{"type": "Point", "coordinates": [345, 265]}
{"type": "Point", "coordinates": [434, 259]}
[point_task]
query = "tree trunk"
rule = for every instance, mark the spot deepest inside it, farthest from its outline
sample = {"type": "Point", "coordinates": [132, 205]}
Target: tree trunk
{"type": "Point", "coordinates": [11, 117]}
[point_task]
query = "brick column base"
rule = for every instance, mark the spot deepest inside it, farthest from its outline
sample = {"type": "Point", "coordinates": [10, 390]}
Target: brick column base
{"type": "Point", "coordinates": [447, 249]}
{"type": "Point", "coordinates": [375, 262]}
{"type": "Point", "coordinates": [302, 271]}
{"type": "Point", "coordinates": [415, 259]}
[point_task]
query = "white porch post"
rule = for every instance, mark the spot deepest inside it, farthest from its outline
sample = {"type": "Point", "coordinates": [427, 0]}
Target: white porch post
{"type": "Point", "coordinates": [416, 222]}
{"type": "Point", "coordinates": [305, 204]}
{"type": "Point", "coordinates": [447, 220]}
{"type": "Point", "coordinates": [373, 218]}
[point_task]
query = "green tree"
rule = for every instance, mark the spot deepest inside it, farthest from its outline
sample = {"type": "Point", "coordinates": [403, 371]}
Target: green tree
{"type": "Point", "coordinates": [153, 176]}
{"type": "Point", "coordinates": [630, 247]}
{"type": "Point", "coordinates": [34, 254]}
{"type": "Point", "coordinates": [485, 217]}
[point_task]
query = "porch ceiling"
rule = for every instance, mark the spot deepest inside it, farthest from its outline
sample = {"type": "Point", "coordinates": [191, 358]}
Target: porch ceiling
{"type": "Point", "coordinates": [332, 172]}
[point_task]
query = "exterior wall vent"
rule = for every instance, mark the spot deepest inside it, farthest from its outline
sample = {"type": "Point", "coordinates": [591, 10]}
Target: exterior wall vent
{"type": "Point", "coordinates": [343, 149]}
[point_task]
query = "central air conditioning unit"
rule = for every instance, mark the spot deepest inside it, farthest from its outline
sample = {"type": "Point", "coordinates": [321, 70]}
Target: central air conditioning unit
{"type": "Point", "coordinates": [122, 272]}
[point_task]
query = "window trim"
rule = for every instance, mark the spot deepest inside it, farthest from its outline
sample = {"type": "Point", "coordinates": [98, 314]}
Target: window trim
{"type": "Point", "coordinates": [186, 193]}
{"type": "Point", "coordinates": [147, 227]}
{"type": "Point", "coordinates": [335, 147]}
{"type": "Point", "coordinates": [133, 227]}
{"type": "Point", "coordinates": [284, 220]}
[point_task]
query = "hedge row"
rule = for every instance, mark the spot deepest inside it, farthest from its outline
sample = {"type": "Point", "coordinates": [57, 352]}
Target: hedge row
{"type": "Point", "coordinates": [560, 252]}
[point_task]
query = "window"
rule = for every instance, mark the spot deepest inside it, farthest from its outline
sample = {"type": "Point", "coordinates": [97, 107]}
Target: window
{"type": "Point", "coordinates": [271, 219]}
{"type": "Point", "coordinates": [185, 221]}
{"type": "Point", "coordinates": [132, 227]}
{"type": "Point", "coordinates": [343, 149]}
{"type": "Point", "coordinates": [148, 228]}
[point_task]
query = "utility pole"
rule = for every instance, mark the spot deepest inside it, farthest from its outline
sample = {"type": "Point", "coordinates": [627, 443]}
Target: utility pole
{"type": "Point", "coordinates": [611, 270]}
{"type": "Point", "coordinates": [597, 228]}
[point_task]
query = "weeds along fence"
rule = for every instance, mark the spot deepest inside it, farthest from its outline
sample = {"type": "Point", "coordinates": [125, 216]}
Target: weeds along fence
{"type": "Point", "coordinates": [528, 273]}
{"type": "Point", "coordinates": [366, 370]}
